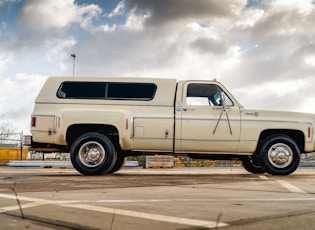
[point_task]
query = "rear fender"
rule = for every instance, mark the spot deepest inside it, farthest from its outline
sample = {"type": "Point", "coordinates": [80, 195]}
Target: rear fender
{"type": "Point", "coordinates": [118, 119]}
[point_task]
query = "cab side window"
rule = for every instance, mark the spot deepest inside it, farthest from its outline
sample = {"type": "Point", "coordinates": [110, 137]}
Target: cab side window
{"type": "Point", "coordinates": [206, 95]}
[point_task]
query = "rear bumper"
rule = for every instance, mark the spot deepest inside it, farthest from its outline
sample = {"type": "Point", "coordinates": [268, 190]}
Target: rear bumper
{"type": "Point", "coordinates": [47, 148]}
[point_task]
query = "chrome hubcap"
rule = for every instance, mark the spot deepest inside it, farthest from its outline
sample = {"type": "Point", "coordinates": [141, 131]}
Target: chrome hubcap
{"type": "Point", "coordinates": [92, 154]}
{"type": "Point", "coordinates": [280, 155]}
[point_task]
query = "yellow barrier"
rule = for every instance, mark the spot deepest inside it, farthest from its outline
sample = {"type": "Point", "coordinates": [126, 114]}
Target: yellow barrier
{"type": "Point", "coordinates": [8, 154]}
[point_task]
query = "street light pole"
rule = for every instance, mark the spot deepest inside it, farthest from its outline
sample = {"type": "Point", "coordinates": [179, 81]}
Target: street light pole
{"type": "Point", "coordinates": [74, 56]}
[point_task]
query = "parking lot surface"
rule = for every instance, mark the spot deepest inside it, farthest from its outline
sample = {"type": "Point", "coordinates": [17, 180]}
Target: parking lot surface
{"type": "Point", "coordinates": [136, 198]}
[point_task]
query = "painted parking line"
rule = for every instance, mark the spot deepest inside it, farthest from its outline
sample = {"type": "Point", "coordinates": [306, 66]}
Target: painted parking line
{"type": "Point", "coordinates": [24, 198]}
{"type": "Point", "coordinates": [16, 207]}
{"type": "Point", "coordinates": [155, 217]}
{"type": "Point", "coordinates": [163, 218]}
{"type": "Point", "coordinates": [34, 202]}
{"type": "Point", "coordinates": [79, 204]}
{"type": "Point", "coordinates": [290, 187]}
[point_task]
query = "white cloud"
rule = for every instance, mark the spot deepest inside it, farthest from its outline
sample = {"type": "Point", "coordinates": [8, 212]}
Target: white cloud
{"type": "Point", "coordinates": [135, 21]}
{"type": "Point", "coordinates": [59, 46]}
{"type": "Point", "coordinates": [310, 60]}
{"type": "Point", "coordinates": [56, 14]}
{"type": "Point", "coordinates": [250, 17]}
{"type": "Point", "coordinates": [119, 10]}
{"type": "Point", "coordinates": [5, 60]}
{"type": "Point", "coordinates": [281, 95]}
{"type": "Point", "coordinates": [263, 52]}
{"type": "Point", "coordinates": [232, 58]}
{"type": "Point", "coordinates": [303, 6]}
{"type": "Point", "coordinates": [108, 28]}
{"type": "Point", "coordinates": [17, 99]}
{"type": "Point", "coordinates": [87, 13]}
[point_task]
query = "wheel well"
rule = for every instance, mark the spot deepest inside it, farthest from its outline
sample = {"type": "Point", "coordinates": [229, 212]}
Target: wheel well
{"type": "Point", "coordinates": [74, 131]}
{"type": "Point", "coordinates": [296, 135]}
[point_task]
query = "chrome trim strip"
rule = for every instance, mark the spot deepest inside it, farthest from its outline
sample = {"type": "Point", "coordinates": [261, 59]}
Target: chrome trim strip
{"type": "Point", "coordinates": [132, 130]}
{"type": "Point", "coordinates": [43, 115]}
{"type": "Point", "coordinates": [208, 140]}
{"type": "Point", "coordinates": [242, 120]}
{"type": "Point", "coordinates": [280, 121]}
{"type": "Point", "coordinates": [212, 140]}
{"type": "Point", "coordinates": [248, 141]}
{"type": "Point", "coordinates": [144, 117]}
{"type": "Point", "coordinates": [104, 104]}
{"type": "Point", "coordinates": [153, 138]}
{"type": "Point", "coordinates": [39, 131]}
{"type": "Point", "coordinates": [206, 119]}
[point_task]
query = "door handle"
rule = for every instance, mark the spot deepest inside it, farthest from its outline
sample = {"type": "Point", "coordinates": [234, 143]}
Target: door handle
{"type": "Point", "coordinates": [221, 108]}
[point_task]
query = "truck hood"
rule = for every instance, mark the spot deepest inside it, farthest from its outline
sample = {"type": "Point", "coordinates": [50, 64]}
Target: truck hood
{"type": "Point", "coordinates": [277, 115]}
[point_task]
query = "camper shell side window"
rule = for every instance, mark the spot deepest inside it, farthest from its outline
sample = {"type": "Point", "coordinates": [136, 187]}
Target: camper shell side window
{"type": "Point", "coordinates": [107, 90]}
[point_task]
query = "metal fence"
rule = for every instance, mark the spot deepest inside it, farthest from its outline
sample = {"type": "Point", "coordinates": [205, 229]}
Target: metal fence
{"type": "Point", "coordinates": [10, 145]}
{"type": "Point", "coordinates": [11, 140]}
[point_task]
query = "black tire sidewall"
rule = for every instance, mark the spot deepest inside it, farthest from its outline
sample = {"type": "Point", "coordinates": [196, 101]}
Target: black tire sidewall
{"type": "Point", "coordinates": [105, 166]}
{"type": "Point", "coordinates": [250, 166]}
{"type": "Point", "coordinates": [118, 164]}
{"type": "Point", "coordinates": [264, 160]}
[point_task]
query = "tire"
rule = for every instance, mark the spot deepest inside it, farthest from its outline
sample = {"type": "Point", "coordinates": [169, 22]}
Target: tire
{"type": "Point", "coordinates": [279, 155]}
{"type": "Point", "coordinates": [251, 165]}
{"type": "Point", "coordinates": [93, 154]}
{"type": "Point", "coordinates": [118, 164]}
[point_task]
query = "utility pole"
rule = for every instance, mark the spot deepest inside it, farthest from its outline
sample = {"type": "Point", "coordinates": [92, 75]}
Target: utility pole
{"type": "Point", "coordinates": [73, 55]}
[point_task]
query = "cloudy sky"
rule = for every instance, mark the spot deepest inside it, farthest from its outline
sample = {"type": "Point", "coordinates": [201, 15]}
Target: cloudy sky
{"type": "Point", "coordinates": [262, 50]}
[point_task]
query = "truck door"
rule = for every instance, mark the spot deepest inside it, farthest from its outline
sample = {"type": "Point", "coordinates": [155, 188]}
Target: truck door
{"type": "Point", "coordinates": [209, 119]}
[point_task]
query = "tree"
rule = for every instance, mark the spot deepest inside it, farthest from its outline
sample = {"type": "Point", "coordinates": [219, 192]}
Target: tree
{"type": "Point", "coordinates": [7, 133]}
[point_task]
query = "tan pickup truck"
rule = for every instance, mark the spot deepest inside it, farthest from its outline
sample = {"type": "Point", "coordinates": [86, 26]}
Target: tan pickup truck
{"type": "Point", "coordinates": [102, 120]}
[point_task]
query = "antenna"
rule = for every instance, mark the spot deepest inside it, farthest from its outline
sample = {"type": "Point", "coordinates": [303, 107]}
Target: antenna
{"type": "Point", "coordinates": [74, 56]}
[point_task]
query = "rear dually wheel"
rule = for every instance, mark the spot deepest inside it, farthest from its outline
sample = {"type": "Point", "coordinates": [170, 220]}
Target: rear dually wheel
{"type": "Point", "coordinates": [93, 154]}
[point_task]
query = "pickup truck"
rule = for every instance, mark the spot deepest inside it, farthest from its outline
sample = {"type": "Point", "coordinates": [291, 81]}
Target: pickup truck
{"type": "Point", "coordinates": [102, 120]}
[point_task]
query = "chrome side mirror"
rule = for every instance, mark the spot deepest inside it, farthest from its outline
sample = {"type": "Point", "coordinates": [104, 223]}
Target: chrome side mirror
{"type": "Point", "coordinates": [223, 100]}
{"type": "Point", "coordinates": [242, 108]}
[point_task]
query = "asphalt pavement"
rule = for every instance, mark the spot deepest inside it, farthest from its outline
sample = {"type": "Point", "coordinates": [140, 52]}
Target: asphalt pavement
{"type": "Point", "coordinates": [137, 198]}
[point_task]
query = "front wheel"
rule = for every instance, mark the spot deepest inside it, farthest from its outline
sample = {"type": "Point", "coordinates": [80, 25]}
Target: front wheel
{"type": "Point", "coordinates": [93, 154]}
{"type": "Point", "coordinates": [279, 155]}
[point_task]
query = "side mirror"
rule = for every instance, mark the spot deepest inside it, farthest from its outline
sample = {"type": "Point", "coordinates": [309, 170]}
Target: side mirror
{"type": "Point", "coordinates": [242, 108]}
{"type": "Point", "coordinates": [223, 100]}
